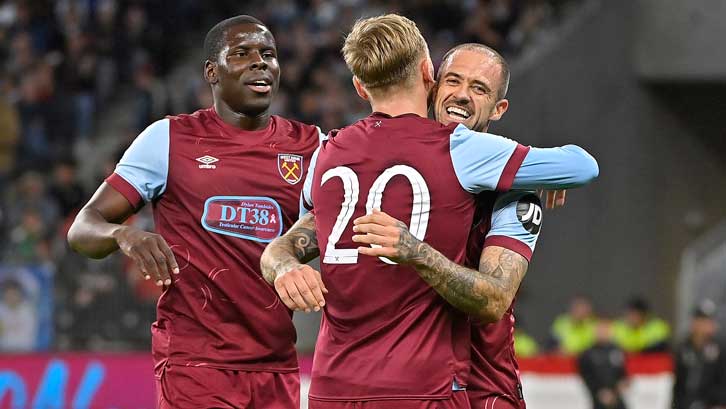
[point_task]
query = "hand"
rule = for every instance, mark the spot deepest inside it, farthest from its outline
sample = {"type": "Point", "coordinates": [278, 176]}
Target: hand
{"type": "Point", "coordinates": [150, 253]}
{"type": "Point", "coordinates": [395, 240]}
{"type": "Point", "coordinates": [301, 288]}
{"type": "Point", "coordinates": [554, 198]}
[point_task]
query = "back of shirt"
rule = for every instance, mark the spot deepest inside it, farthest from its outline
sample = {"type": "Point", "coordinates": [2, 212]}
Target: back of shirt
{"type": "Point", "coordinates": [386, 334]}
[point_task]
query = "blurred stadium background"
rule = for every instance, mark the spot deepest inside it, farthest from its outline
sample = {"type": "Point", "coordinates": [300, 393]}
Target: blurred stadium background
{"type": "Point", "coordinates": [639, 83]}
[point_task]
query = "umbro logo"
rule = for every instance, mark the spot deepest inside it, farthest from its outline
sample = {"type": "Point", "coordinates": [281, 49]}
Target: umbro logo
{"type": "Point", "coordinates": [207, 162]}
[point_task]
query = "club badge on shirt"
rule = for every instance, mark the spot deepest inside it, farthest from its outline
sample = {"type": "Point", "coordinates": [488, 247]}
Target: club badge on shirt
{"type": "Point", "coordinates": [290, 167]}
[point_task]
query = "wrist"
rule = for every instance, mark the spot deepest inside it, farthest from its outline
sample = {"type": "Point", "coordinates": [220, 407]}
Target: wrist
{"type": "Point", "coordinates": [118, 233]}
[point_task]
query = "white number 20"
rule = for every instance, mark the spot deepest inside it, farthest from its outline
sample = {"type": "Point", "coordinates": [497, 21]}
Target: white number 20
{"type": "Point", "coordinates": [351, 190]}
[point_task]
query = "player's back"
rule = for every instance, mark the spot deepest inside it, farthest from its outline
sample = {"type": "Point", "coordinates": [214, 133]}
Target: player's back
{"type": "Point", "coordinates": [386, 334]}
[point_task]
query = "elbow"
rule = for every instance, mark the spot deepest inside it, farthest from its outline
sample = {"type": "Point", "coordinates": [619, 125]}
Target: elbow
{"type": "Point", "coordinates": [592, 170]}
{"type": "Point", "coordinates": [586, 165]}
{"type": "Point", "coordinates": [490, 313]}
{"type": "Point", "coordinates": [75, 241]}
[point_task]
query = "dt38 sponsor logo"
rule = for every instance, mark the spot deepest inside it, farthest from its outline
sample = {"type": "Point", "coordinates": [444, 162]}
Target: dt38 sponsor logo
{"type": "Point", "coordinates": [248, 217]}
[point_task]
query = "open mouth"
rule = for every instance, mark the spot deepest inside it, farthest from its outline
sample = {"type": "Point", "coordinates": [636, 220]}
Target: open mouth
{"type": "Point", "coordinates": [457, 113]}
{"type": "Point", "coordinates": [260, 86]}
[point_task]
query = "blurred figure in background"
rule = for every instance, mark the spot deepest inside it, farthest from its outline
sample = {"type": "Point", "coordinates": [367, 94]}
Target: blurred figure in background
{"type": "Point", "coordinates": [574, 331]}
{"type": "Point", "coordinates": [700, 364]}
{"type": "Point", "coordinates": [525, 346]}
{"type": "Point", "coordinates": [602, 368]}
{"type": "Point", "coordinates": [18, 319]}
{"type": "Point", "coordinates": [640, 331]}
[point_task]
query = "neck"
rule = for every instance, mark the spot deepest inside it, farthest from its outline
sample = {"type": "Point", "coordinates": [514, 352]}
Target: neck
{"type": "Point", "coordinates": [402, 102]}
{"type": "Point", "coordinates": [241, 120]}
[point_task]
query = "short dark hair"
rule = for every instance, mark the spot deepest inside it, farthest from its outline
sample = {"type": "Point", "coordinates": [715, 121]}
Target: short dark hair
{"type": "Point", "coordinates": [215, 36]}
{"type": "Point", "coordinates": [638, 304]}
{"type": "Point", "coordinates": [502, 92]}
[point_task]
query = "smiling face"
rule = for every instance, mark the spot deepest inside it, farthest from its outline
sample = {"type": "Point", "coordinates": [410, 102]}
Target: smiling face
{"type": "Point", "coordinates": [246, 74]}
{"type": "Point", "coordinates": [469, 89]}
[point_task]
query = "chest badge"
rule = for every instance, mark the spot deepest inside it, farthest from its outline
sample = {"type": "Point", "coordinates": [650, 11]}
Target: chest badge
{"type": "Point", "coordinates": [290, 167]}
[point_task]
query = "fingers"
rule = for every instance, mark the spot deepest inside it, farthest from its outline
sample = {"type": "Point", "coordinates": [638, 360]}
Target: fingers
{"type": "Point", "coordinates": [560, 198]}
{"type": "Point", "coordinates": [376, 229]}
{"type": "Point", "coordinates": [151, 253]}
{"type": "Point", "coordinates": [550, 199]}
{"type": "Point", "coordinates": [370, 238]}
{"type": "Point", "coordinates": [311, 292]}
{"type": "Point", "coordinates": [145, 259]}
{"type": "Point", "coordinates": [285, 297]}
{"type": "Point", "coordinates": [320, 283]}
{"type": "Point", "coordinates": [301, 289]}
{"type": "Point", "coordinates": [170, 259]}
{"type": "Point", "coordinates": [377, 217]}
{"type": "Point", "coordinates": [378, 251]}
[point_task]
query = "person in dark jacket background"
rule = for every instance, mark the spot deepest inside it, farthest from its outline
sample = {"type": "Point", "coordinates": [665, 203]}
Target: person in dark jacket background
{"type": "Point", "coordinates": [700, 364]}
{"type": "Point", "coordinates": [602, 368]}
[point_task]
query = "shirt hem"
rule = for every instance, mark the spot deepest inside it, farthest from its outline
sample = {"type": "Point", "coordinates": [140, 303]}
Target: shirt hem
{"type": "Point", "coordinates": [245, 368]}
{"type": "Point", "coordinates": [377, 398]}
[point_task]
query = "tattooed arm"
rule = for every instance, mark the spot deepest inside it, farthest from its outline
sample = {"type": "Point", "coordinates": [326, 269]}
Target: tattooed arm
{"type": "Point", "coordinates": [283, 264]}
{"type": "Point", "coordinates": [485, 294]}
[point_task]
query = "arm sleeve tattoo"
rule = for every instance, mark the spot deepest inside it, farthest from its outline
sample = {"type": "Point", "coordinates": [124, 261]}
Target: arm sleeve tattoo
{"type": "Point", "coordinates": [485, 294]}
{"type": "Point", "coordinates": [298, 246]}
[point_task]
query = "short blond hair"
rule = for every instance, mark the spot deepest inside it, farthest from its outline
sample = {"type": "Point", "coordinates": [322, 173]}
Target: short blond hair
{"type": "Point", "coordinates": [383, 51]}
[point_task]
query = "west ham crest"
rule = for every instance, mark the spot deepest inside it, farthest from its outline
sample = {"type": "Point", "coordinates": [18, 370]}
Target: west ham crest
{"type": "Point", "coordinates": [290, 167]}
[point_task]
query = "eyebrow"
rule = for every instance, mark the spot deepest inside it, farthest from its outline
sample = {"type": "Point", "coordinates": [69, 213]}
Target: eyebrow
{"type": "Point", "coordinates": [477, 82]}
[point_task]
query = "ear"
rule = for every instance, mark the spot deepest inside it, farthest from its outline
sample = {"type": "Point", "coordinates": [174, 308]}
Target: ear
{"type": "Point", "coordinates": [499, 109]}
{"type": "Point", "coordinates": [427, 72]}
{"type": "Point", "coordinates": [360, 89]}
{"type": "Point", "coordinates": [210, 72]}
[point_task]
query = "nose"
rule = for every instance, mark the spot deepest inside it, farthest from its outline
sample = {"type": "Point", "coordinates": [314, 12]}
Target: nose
{"type": "Point", "coordinates": [461, 93]}
{"type": "Point", "coordinates": [257, 62]}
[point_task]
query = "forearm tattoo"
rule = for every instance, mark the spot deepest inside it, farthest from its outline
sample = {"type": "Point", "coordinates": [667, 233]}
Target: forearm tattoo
{"type": "Point", "coordinates": [486, 293]}
{"type": "Point", "coordinates": [298, 246]}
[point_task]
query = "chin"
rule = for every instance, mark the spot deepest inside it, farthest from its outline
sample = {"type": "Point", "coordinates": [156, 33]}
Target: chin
{"type": "Point", "coordinates": [255, 109]}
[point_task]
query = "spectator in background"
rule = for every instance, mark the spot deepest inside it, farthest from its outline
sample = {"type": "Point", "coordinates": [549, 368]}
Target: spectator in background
{"type": "Point", "coordinates": [639, 330]}
{"type": "Point", "coordinates": [9, 135]}
{"type": "Point", "coordinates": [700, 364]}
{"type": "Point", "coordinates": [525, 346]}
{"type": "Point", "coordinates": [602, 368]}
{"type": "Point", "coordinates": [65, 188]}
{"type": "Point", "coordinates": [574, 332]}
{"type": "Point", "coordinates": [18, 319]}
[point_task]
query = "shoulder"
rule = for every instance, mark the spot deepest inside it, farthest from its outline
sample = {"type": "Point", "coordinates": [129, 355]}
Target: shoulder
{"type": "Point", "coordinates": [298, 131]}
{"type": "Point", "coordinates": [195, 123]}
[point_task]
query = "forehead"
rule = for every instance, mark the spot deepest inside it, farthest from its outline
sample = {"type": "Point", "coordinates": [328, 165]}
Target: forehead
{"type": "Point", "coordinates": [248, 33]}
{"type": "Point", "coordinates": [474, 65]}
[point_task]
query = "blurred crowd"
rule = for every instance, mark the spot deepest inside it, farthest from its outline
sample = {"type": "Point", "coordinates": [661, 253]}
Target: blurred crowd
{"type": "Point", "coordinates": [64, 63]}
{"type": "Point", "coordinates": [601, 346]}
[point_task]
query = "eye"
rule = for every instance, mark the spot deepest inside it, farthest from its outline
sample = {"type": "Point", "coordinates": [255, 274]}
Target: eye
{"type": "Point", "coordinates": [452, 81]}
{"type": "Point", "coordinates": [241, 53]}
{"type": "Point", "coordinates": [479, 90]}
{"type": "Point", "coordinates": [268, 54]}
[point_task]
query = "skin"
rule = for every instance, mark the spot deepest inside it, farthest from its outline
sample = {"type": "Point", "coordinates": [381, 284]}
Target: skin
{"type": "Point", "coordinates": [249, 54]}
{"type": "Point", "coordinates": [470, 81]}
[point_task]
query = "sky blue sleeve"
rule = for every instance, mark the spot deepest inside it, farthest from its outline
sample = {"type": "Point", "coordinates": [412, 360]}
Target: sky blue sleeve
{"type": "Point", "coordinates": [516, 222]}
{"type": "Point", "coordinates": [479, 158]}
{"type": "Point", "coordinates": [306, 197]}
{"type": "Point", "coordinates": [563, 167]}
{"type": "Point", "coordinates": [145, 164]}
